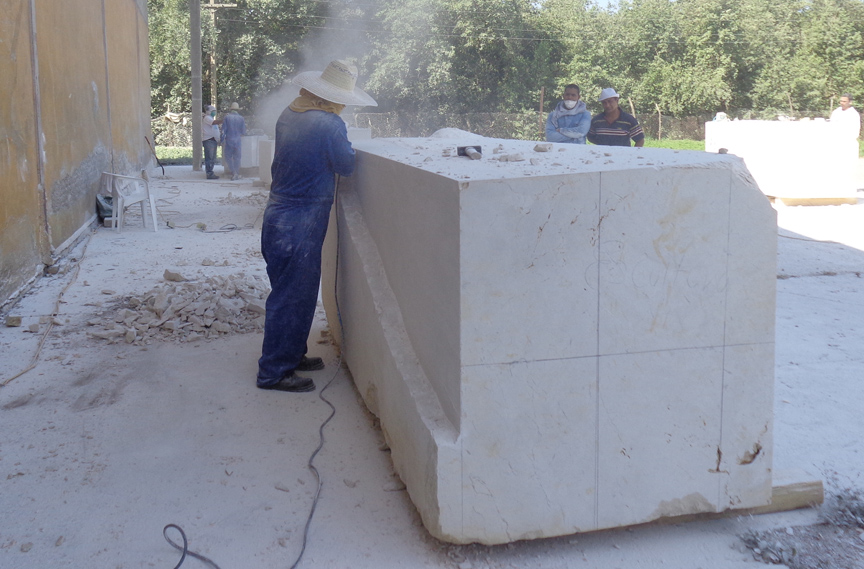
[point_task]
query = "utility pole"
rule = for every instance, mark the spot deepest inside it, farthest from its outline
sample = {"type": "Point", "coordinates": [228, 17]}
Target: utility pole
{"type": "Point", "coordinates": [542, 119]}
{"type": "Point", "coordinates": [195, 56]}
{"type": "Point", "coordinates": [212, 6]}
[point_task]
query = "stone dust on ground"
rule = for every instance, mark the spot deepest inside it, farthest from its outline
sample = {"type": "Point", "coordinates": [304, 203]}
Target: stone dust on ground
{"type": "Point", "coordinates": [141, 410]}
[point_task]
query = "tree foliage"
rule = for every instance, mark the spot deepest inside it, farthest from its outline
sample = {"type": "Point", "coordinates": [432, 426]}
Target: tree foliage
{"type": "Point", "coordinates": [427, 57]}
{"type": "Point", "coordinates": [169, 55]}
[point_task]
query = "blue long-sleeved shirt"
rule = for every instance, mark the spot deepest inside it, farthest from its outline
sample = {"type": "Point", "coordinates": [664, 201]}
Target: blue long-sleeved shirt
{"type": "Point", "coordinates": [233, 127]}
{"type": "Point", "coordinates": [311, 147]}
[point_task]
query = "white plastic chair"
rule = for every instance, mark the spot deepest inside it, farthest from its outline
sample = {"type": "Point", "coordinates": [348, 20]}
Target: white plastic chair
{"type": "Point", "coordinates": [126, 191]}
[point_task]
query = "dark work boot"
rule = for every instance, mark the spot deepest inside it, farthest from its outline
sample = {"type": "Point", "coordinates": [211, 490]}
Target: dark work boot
{"type": "Point", "coordinates": [310, 364]}
{"type": "Point", "coordinates": [291, 383]}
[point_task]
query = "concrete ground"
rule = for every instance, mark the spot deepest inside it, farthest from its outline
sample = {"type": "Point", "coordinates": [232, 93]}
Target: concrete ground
{"type": "Point", "coordinates": [105, 442]}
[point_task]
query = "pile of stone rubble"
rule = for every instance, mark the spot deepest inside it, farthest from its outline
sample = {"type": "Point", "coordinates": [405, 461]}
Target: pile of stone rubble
{"type": "Point", "coordinates": [188, 311]}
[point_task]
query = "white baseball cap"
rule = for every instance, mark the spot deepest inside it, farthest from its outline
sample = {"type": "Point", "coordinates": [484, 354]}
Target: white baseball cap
{"type": "Point", "coordinates": [607, 93]}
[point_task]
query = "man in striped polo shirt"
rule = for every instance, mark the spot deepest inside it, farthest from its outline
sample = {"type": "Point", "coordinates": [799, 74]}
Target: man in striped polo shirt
{"type": "Point", "coordinates": [614, 127]}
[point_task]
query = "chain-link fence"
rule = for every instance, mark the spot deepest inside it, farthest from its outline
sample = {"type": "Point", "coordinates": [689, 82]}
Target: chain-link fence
{"type": "Point", "coordinates": [521, 126]}
{"type": "Point", "coordinates": [685, 128]}
{"type": "Point", "coordinates": [176, 129]}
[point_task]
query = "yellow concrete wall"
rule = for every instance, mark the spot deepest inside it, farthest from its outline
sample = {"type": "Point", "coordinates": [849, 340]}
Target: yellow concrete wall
{"type": "Point", "coordinates": [93, 93]}
{"type": "Point", "coordinates": [20, 206]}
{"type": "Point", "coordinates": [74, 109]}
{"type": "Point", "coordinates": [129, 73]}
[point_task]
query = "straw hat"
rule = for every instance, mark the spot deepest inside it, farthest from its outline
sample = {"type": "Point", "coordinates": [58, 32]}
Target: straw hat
{"type": "Point", "coordinates": [234, 107]}
{"type": "Point", "coordinates": [335, 84]}
{"type": "Point", "coordinates": [607, 93]}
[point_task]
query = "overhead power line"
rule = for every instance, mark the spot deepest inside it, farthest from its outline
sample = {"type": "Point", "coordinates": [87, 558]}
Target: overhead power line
{"type": "Point", "coordinates": [598, 35]}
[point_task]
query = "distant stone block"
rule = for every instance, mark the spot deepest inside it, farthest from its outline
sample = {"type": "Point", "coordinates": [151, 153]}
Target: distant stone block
{"type": "Point", "coordinates": [795, 161]}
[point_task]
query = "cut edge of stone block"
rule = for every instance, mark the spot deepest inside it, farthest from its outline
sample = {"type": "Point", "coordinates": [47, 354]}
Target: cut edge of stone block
{"type": "Point", "coordinates": [425, 450]}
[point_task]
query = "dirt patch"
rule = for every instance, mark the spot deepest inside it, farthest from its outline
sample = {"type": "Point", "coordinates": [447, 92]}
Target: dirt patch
{"type": "Point", "coordinates": [836, 543]}
{"type": "Point", "coordinates": [805, 547]}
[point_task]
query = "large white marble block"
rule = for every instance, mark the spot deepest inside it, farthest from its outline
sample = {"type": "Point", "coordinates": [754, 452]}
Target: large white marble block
{"type": "Point", "coordinates": [792, 160]}
{"type": "Point", "coordinates": [558, 341]}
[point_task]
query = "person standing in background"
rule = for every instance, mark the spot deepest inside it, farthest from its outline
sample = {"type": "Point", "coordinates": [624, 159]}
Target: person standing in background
{"type": "Point", "coordinates": [847, 118]}
{"type": "Point", "coordinates": [614, 127]}
{"type": "Point", "coordinates": [233, 127]}
{"type": "Point", "coordinates": [846, 123]}
{"type": "Point", "coordinates": [569, 120]}
{"type": "Point", "coordinates": [210, 140]}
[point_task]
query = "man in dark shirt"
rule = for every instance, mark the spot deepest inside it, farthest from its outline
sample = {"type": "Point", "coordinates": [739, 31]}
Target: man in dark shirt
{"type": "Point", "coordinates": [614, 127]}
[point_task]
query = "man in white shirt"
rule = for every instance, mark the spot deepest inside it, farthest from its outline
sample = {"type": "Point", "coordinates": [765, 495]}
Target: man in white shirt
{"type": "Point", "coordinates": [847, 125]}
{"type": "Point", "coordinates": [210, 140]}
{"type": "Point", "coordinates": [847, 118]}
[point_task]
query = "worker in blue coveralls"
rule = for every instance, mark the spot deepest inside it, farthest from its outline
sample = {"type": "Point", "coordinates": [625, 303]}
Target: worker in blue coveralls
{"type": "Point", "coordinates": [570, 120]}
{"type": "Point", "coordinates": [233, 127]}
{"type": "Point", "coordinates": [311, 148]}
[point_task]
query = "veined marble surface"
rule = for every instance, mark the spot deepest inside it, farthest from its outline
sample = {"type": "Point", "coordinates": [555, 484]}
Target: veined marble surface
{"type": "Point", "coordinates": [580, 339]}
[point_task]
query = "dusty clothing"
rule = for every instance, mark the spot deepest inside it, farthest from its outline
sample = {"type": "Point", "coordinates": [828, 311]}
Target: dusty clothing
{"type": "Point", "coordinates": [233, 128]}
{"type": "Point", "coordinates": [568, 125]}
{"type": "Point", "coordinates": [618, 133]}
{"type": "Point", "coordinates": [311, 147]}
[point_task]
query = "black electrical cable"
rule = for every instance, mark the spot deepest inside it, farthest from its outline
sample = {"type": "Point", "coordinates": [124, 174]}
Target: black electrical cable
{"type": "Point", "coordinates": [312, 466]}
{"type": "Point", "coordinates": [310, 463]}
{"type": "Point", "coordinates": [322, 398]}
{"type": "Point", "coordinates": [185, 547]}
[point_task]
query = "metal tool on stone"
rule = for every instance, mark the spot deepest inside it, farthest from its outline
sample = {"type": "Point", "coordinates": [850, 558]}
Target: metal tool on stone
{"type": "Point", "coordinates": [472, 152]}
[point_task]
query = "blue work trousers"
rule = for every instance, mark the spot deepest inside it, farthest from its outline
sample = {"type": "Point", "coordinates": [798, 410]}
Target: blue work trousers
{"type": "Point", "coordinates": [231, 152]}
{"type": "Point", "coordinates": [291, 239]}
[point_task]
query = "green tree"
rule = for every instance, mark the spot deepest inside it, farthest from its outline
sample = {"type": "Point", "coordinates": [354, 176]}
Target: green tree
{"type": "Point", "coordinates": [257, 46]}
{"type": "Point", "coordinates": [260, 45]}
{"type": "Point", "coordinates": [170, 87]}
{"type": "Point", "coordinates": [458, 56]}
{"type": "Point", "coordinates": [832, 50]}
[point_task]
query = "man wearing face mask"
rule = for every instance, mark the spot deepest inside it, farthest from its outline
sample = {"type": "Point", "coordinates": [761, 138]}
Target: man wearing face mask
{"type": "Point", "coordinates": [210, 140]}
{"type": "Point", "coordinates": [570, 120]}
